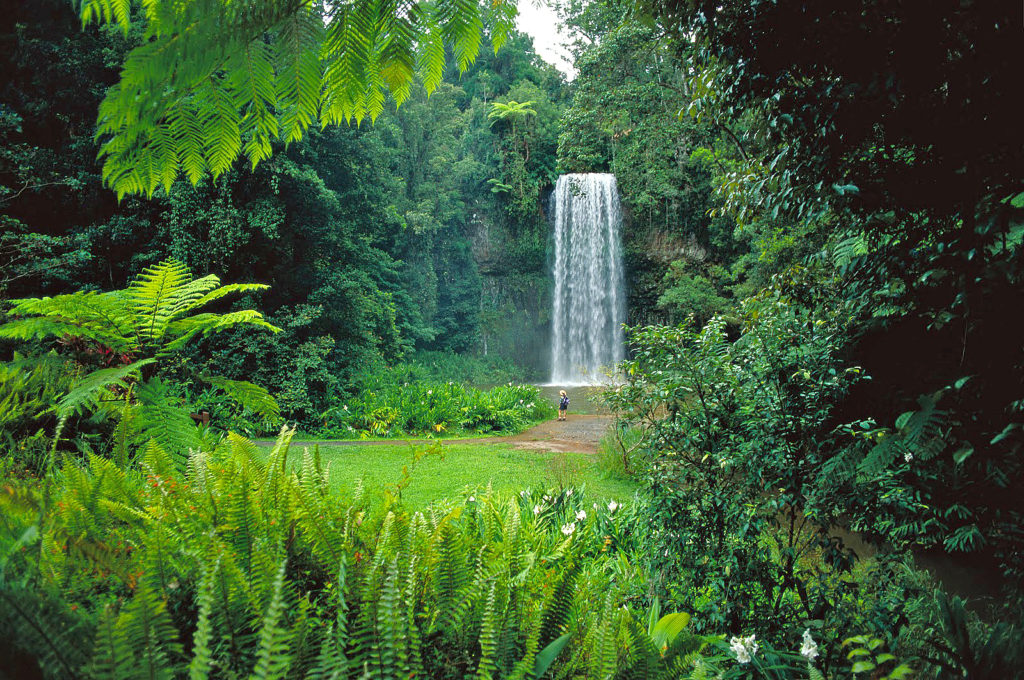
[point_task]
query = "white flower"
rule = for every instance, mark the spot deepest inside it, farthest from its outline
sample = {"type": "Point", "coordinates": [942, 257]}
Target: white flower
{"type": "Point", "coordinates": [547, 498]}
{"type": "Point", "coordinates": [743, 647]}
{"type": "Point", "coordinates": [568, 492]}
{"type": "Point", "coordinates": [523, 494]}
{"type": "Point", "coordinates": [521, 401]}
{"type": "Point", "coordinates": [345, 407]}
{"type": "Point", "coordinates": [472, 499]}
{"type": "Point", "coordinates": [809, 648]}
{"type": "Point", "coordinates": [430, 391]}
{"type": "Point", "coordinates": [595, 506]}
{"type": "Point", "coordinates": [908, 456]}
{"type": "Point", "coordinates": [613, 506]}
{"type": "Point", "coordinates": [536, 509]}
{"type": "Point", "coordinates": [581, 515]}
{"type": "Point", "coordinates": [569, 528]}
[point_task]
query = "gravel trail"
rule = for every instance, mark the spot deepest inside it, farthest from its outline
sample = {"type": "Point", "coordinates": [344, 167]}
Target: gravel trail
{"type": "Point", "coordinates": [578, 434]}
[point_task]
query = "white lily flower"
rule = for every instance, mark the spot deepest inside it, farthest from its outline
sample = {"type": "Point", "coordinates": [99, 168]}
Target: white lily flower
{"type": "Point", "coordinates": [744, 648]}
{"type": "Point", "coordinates": [809, 648]}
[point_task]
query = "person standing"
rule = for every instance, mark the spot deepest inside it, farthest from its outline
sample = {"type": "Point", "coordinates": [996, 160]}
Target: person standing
{"type": "Point", "coordinates": [563, 404]}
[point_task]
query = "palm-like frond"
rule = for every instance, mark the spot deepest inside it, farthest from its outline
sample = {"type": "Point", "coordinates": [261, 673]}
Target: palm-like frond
{"type": "Point", "coordinates": [252, 397]}
{"type": "Point", "coordinates": [93, 386]}
{"type": "Point", "coordinates": [150, 317]}
{"type": "Point", "coordinates": [99, 317]}
{"type": "Point", "coordinates": [215, 79]}
{"type": "Point", "coordinates": [164, 421]}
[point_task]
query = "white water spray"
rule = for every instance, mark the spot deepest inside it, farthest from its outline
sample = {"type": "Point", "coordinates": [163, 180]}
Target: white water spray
{"type": "Point", "coordinates": [589, 302]}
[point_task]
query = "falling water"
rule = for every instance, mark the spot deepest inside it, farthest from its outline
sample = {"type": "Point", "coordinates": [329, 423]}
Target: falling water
{"type": "Point", "coordinates": [589, 304]}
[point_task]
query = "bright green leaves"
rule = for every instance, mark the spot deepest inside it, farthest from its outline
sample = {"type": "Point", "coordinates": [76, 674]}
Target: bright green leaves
{"type": "Point", "coordinates": [106, 12]}
{"type": "Point", "coordinates": [511, 111]}
{"type": "Point", "coordinates": [216, 79]}
{"type": "Point", "coordinates": [127, 333]}
{"type": "Point", "coordinates": [299, 76]}
{"type": "Point", "coordinates": [461, 26]}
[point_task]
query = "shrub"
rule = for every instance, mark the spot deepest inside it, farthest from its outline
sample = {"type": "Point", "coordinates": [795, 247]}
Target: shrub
{"type": "Point", "coordinates": [390, 409]}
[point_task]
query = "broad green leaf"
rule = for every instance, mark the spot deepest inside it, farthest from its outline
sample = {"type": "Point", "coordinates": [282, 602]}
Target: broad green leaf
{"type": "Point", "coordinates": [547, 656]}
{"type": "Point", "coordinates": [668, 628]}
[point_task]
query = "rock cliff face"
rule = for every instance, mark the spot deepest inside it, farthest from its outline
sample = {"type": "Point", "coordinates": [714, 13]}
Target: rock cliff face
{"type": "Point", "coordinates": [515, 302]}
{"type": "Point", "coordinates": [515, 295]}
{"type": "Point", "coordinates": [649, 252]}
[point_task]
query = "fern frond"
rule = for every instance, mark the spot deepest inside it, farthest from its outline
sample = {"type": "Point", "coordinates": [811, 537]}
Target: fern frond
{"type": "Point", "coordinates": [605, 657]}
{"type": "Point", "coordinates": [154, 294]}
{"type": "Point", "coordinates": [212, 74]}
{"type": "Point", "coordinates": [559, 605]}
{"type": "Point", "coordinates": [431, 58]}
{"type": "Point", "coordinates": [462, 25]}
{"type": "Point", "coordinates": [205, 324]}
{"type": "Point", "coordinates": [111, 656]}
{"type": "Point", "coordinates": [161, 419]}
{"type": "Point", "coordinates": [252, 397]}
{"type": "Point", "coordinates": [273, 659]}
{"type": "Point", "coordinates": [299, 80]}
{"type": "Point", "coordinates": [93, 386]}
{"type": "Point", "coordinates": [149, 633]}
{"type": "Point", "coordinates": [103, 318]}
{"type": "Point", "coordinates": [202, 655]}
{"type": "Point", "coordinates": [493, 616]}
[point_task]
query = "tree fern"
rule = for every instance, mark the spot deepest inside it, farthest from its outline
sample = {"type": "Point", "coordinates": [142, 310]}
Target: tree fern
{"type": "Point", "coordinates": [162, 420]}
{"type": "Point", "coordinates": [215, 79]}
{"type": "Point", "coordinates": [132, 330]}
{"type": "Point", "coordinates": [102, 318]}
{"type": "Point", "coordinates": [86, 392]}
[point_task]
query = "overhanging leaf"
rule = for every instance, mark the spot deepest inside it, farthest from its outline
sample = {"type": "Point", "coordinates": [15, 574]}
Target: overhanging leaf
{"type": "Point", "coordinates": [547, 656]}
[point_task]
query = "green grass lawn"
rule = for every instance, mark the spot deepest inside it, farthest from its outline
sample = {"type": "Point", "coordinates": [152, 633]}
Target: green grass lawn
{"type": "Point", "coordinates": [465, 468]}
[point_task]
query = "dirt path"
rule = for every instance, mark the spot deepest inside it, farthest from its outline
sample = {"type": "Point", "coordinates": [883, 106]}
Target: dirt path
{"type": "Point", "coordinates": [579, 434]}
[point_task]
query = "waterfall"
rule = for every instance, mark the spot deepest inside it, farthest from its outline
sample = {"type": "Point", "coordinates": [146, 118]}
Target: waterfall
{"type": "Point", "coordinates": [589, 304]}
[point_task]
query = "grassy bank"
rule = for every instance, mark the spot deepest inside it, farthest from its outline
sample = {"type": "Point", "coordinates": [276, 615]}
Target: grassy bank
{"type": "Point", "coordinates": [455, 469]}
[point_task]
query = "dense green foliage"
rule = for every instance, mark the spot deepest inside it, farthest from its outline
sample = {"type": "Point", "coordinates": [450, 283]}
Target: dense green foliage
{"type": "Point", "coordinates": [378, 240]}
{"type": "Point", "coordinates": [824, 225]}
{"type": "Point", "coordinates": [113, 352]}
{"type": "Point", "coordinates": [387, 408]}
{"type": "Point", "coordinates": [888, 135]}
{"type": "Point", "coordinates": [240, 565]}
{"type": "Point", "coordinates": [808, 135]}
{"type": "Point", "coordinates": [211, 80]}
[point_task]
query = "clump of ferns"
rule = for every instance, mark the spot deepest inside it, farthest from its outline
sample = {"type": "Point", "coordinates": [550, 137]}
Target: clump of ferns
{"type": "Point", "coordinates": [244, 563]}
